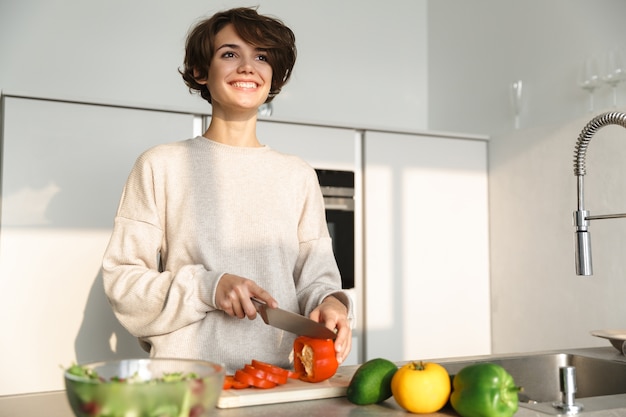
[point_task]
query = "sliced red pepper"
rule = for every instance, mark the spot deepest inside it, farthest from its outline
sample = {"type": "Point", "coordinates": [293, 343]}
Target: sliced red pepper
{"type": "Point", "coordinates": [278, 379]}
{"type": "Point", "coordinates": [272, 373]}
{"type": "Point", "coordinates": [228, 382]}
{"type": "Point", "coordinates": [269, 368]}
{"type": "Point", "coordinates": [314, 359]}
{"type": "Point", "coordinates": [258, 373]}
{"type": "Point", "coordinates": [231, 382]}
{"type": "Point", "coordinates": [261, 374]}
{"type": "Point", "coordinates": [294, 375]}
{"type": "Point", "coordinates": [246, 378]}
{"type": "Point", "coordinates": [239, 385]}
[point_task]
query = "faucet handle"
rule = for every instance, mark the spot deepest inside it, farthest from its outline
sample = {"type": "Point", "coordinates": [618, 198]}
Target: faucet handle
{"type": "Point", "coordinates": [567, 379]}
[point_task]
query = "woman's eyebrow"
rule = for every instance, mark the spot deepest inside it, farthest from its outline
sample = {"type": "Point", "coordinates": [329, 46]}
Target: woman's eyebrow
{"type": "Point", "coordinates": [235, 46]}
{"type": "Point", "coordinates": [229, 45]}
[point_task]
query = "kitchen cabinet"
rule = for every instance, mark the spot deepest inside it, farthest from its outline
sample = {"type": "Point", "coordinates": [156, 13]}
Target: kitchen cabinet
{"type": "Point", "coordinates": [321, 146]}
{"type": "Point", "coordinates": [426, 246]}
{"type": "Point", "coordinates": [63, 169]}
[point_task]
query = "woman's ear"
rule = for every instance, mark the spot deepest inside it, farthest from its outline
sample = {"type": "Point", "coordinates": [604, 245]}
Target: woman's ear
{"type": "Point", "coordinates": [199, 79]}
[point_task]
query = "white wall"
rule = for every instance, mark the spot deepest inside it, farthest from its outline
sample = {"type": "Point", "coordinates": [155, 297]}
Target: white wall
{"type": "Point", "coordinates": [359, 62]}
{"type": "Point", "coordinates": [538, 302]}
{"type": "Point", "coordinates": [477, 48]}
{"type": "Point", "coordinates": [407, 64]}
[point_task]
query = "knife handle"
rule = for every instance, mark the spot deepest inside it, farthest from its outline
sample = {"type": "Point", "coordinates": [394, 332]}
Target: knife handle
{"type": "Point", "coordinates": [261, 308]}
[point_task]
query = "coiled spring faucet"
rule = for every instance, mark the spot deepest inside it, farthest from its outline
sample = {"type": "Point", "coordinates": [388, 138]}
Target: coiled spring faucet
{"type": "Point", "coordinates": [581, 216]}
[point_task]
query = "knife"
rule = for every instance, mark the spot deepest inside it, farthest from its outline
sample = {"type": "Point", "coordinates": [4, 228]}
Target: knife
{"type": "Point", "coordinates": [292, 322]}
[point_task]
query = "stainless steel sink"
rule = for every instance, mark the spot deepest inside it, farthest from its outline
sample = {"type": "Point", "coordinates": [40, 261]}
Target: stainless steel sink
{"type": "Point", "coordinates": [538, 374]}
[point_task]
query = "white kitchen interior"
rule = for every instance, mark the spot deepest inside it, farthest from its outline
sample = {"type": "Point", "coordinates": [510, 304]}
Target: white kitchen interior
{"type": "Point", "coordinates": [464, 219]}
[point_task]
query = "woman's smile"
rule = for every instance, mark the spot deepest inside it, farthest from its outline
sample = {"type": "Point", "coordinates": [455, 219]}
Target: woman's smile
{"type": "Point", "coordinates": [244, 84]}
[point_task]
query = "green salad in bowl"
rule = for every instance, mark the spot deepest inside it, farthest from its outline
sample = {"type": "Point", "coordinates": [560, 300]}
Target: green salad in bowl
{"type": "Point", "coordinates": [144, 388]}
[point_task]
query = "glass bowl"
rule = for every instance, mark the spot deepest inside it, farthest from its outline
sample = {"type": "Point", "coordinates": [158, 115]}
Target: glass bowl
{"type": "Point", "coordinates": [144, 387]}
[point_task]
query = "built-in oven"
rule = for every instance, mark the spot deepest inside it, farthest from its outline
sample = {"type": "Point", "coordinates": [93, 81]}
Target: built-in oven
{"type": "Point", "coordinates": [338, 191]}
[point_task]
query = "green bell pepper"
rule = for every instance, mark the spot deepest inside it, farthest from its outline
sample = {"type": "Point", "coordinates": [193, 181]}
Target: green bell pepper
{"type": "Point", "coordinates": [484, 390]}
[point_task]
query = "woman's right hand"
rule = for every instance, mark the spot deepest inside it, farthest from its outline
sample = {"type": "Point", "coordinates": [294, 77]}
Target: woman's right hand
{"type": "Point", "coordinates": [233, 295]}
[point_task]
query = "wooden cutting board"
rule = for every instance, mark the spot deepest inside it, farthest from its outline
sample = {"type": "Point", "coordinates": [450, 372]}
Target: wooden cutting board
{"type": "Point", "coordinates": [293, 390]}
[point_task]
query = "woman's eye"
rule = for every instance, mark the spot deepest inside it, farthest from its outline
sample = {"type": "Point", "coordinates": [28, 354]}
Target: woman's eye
{"type": "Point", "coordinates": [228, 54]}
{"type": "Point", "coordinates": [262, 58]}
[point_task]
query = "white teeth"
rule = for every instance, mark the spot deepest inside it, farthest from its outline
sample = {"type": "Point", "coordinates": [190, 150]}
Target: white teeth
{"type": "Point", "coordinates": [242, 84]}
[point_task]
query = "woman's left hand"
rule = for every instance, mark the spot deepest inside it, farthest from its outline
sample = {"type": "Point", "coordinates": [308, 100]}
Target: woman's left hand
{"type": "Point", "coordinates": [334, 315]}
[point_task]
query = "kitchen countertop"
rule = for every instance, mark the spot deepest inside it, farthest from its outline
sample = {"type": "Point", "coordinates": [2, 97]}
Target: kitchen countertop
{"type": "Point", "coordinates": [54, 404]}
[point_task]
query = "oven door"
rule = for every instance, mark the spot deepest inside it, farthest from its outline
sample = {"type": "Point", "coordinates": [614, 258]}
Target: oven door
{"type": "Point", "coordinates": [340, 219]}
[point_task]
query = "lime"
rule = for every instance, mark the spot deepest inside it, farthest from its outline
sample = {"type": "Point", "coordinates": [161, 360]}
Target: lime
{"type": "Point", "coordinates": [371, 383]}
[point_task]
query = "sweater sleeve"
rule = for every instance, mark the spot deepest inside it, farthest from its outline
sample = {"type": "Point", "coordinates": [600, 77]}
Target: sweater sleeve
{"type": "Point", "coordinates": [316, 274]}
{"type": "Point", "coordinates": [147, 300]}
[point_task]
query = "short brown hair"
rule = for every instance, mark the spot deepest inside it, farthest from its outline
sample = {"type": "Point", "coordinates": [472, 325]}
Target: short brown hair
{"type": "Point", "coordinates": [258, 30]}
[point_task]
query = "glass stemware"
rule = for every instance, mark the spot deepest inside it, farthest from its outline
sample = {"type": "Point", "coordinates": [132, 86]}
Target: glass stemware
{"type": "Point", "coordinates": [589, 79]}
{"type": "Point", "coordinates": [614, 72]}
{"type": "Point", "coordinates": [516, 102]}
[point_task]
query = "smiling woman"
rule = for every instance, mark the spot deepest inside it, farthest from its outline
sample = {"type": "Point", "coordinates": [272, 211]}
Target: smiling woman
{"type": "Point", "coordinates": [209, 222]}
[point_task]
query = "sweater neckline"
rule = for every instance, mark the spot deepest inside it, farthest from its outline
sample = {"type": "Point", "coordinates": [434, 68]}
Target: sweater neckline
{"type": "Point", "coordinates": [232, 148]}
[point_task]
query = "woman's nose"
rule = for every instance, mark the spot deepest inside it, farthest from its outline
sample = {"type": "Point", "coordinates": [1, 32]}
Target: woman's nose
{"type": "Point", "coordinates": [246, 66]}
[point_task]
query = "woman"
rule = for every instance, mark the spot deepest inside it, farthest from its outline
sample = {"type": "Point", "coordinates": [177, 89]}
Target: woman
{"type": "Point", "coordinates": [206, 223]}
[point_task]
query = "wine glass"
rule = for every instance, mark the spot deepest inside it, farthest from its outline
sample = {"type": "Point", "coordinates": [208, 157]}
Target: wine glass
{"type": "Point", "coordinates": [614, 72]}
{"type": "Point", "coordinates": [589, 80]}
{"type": "Point", "coordinates": [516, 102]}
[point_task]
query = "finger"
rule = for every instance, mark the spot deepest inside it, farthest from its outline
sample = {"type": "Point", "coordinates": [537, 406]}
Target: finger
{"type": "Point", "coordinates": [315, 315]}
{"type": "Point", "coordinates": [320, 316]}
{"type": "Point", "coordinates": [342, 349]}
{"type": "Point", "coordinates": [331, 324]}
{"type": "Point", "coordinates": [249, 309]}
{"type": "Point", "coordinates": [228, 310]}
{"type": "Point", "coordinates": [346, 349]}
{"type": "Point", "coordinates": [343, 342]}
{"type": "Point", "coordinates": [265, 296]}
{"type": "Point", "coordinates": [240, 297]}
{"type": "Point", "coordinates": [236, 307]}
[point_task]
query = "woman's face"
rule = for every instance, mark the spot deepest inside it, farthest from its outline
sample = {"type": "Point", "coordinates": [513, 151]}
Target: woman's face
{"type": "Point", "coordinates": [239, 75]}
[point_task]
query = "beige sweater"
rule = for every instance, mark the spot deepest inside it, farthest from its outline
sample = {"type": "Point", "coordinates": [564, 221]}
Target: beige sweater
{"type": "Point", "coordinates": [201, 209]}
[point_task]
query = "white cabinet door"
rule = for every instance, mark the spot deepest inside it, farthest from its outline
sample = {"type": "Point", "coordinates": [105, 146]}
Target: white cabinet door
{"type": "Point", "coordinates": [63, 169]}
{"type": "Point", "coordinates": [426, 247]}
{"type": "Point", "coordinates": [322, 147]}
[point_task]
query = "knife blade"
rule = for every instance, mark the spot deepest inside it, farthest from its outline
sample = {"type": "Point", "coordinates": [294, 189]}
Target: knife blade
{"type": "Point", "coordinates": [292, 322]}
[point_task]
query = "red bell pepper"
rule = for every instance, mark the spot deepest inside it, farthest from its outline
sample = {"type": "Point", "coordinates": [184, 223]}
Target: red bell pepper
{"type": "Point", "coordinates": [269, 368]}
{"type": "Point", "coordinates": [247, 378]}
{"type": "Point", "coordinates": [314, 359]}
{"type": "Point", "coordinates": [231, 382]}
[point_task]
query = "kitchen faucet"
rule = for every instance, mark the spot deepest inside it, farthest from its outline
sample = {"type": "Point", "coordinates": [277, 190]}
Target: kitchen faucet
{"type": "Point", "coordinates": [581, 216]}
